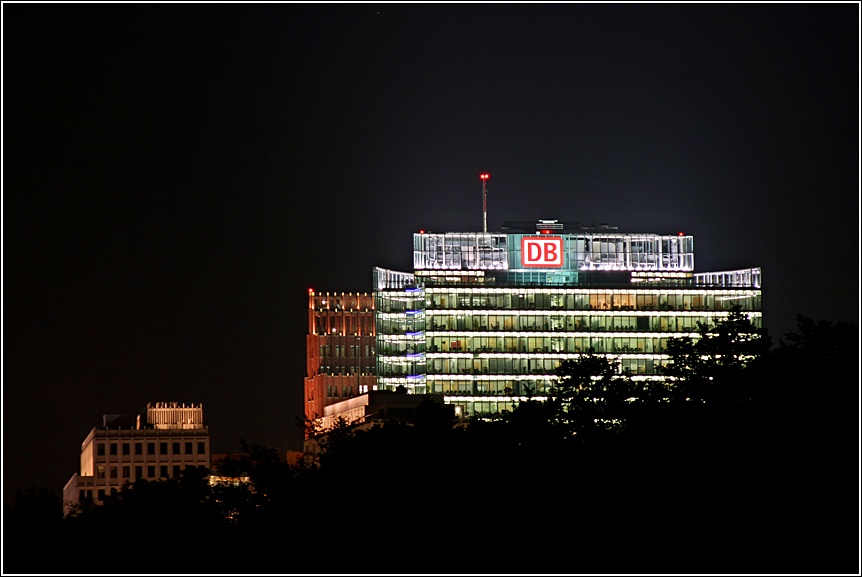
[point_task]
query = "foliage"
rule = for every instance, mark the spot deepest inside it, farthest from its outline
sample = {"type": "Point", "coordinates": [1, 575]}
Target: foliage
{"type": "Point", "coordinates": [712, 368]}
{"type": "Point", "coordinates": [748, 441]}
{"type": "Point", "coordinates": [34, 516]}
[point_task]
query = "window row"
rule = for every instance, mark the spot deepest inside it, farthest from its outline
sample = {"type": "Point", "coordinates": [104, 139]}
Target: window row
{"type": "Point", "coordinates": [517, 386]}
{"type": "Point", "coordinates": [352, 351]}
{"type": "Point", "coordinates": [570, 323]}
{"type": "Point", "coordinates": [344, 370]}
{"type": "Point", "coordinates": [538, 366]}
{"type": "Point", "coordinates": [523, 379]}
{"type": "Point", "coordinates": [504, 366]}
{"type": "Point", "coordinates": [123, 473]}
{"type": "Point", "coordinates": [555, 344]}
{"type": "Point", "coordinates": [332, 391]}
{"type": "Point", "coordinates": [344, 324]}
{"type": "Point", "coordinates": [125, 448]}
{"type": "Point", "coordinates": [532, 300]}
{"type": "Point", "coordinates": [473, 321]}
{"type": "Point", "coordinates": [525, 345]}
{"type": "Point", "coordinates": [399, 302]}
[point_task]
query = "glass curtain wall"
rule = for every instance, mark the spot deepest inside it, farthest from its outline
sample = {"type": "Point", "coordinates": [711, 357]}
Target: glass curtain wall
{"type": "Point", "coordinates": [506, 343]}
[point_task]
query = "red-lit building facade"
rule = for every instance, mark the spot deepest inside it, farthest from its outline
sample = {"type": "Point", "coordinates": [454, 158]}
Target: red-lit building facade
{"type": "Point", "coordinates": [340, 349]}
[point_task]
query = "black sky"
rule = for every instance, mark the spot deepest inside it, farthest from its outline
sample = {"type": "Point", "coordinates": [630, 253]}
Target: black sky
{"type": "Point", "coordinates": [176, 176]}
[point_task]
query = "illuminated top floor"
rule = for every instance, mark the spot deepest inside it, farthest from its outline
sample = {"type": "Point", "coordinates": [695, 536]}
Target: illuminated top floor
{"type": "Point", "coordinates": [554, 253]}
{"type": "Point", "coordinates": [553, 245]}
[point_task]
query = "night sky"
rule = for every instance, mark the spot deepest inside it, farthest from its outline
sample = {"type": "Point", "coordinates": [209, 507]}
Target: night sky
{"type": "Point", "coordinates": [177, 176]}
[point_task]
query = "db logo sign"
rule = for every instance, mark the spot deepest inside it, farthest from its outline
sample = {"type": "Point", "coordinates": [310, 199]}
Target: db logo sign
{"type": "Point", "coordinates": [542, 251]}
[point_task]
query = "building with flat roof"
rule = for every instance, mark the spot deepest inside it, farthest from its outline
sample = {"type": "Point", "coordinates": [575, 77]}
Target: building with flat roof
{"type": "Point", "coordinates": [340, 359]}
{"type": "Point", "coordinates": [485, 318]}
{"type": "Point", "coordinates": [157, 445]}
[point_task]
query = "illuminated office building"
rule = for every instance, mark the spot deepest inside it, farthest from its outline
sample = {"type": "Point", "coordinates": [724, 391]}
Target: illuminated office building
{"type": "Point", "coordinates": [486, 317]}
{"type": "Point", "coordinates": [171, 437]}
{"type": "Point", "coordinates": [340, 349]}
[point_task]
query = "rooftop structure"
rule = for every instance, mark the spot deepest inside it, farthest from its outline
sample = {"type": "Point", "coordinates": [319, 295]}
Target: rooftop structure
{"type": "Point", "coordinates": [171, 437]}
{"type": "Point", "coordinates": [485, 318]}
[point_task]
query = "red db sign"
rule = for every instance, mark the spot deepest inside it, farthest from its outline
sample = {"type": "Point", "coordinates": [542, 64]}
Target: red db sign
{"type": "Point", "coordinates": [542, 251]}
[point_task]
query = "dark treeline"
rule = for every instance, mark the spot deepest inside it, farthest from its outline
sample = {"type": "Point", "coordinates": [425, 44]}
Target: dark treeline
{"type": "Point", "coordinates": [745, 461]}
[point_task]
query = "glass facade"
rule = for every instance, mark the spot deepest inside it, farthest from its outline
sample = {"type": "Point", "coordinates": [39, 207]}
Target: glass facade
{"type": "Point", "coordinates": [580, 251]}
{"type": "Point", "coordinates": [485, 319]}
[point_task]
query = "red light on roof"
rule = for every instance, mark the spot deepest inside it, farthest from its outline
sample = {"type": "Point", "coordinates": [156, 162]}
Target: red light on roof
{"type": "Point", "coordinates": [311, 291]}
{"type": "Point", "coordinates": [681, 234]}
{"type": "Point", "coordinates": [484, 176]}
{"type": "Point", "coordinates": [545, 232]}
{"type": "Point", "coordinates": [421, 232]}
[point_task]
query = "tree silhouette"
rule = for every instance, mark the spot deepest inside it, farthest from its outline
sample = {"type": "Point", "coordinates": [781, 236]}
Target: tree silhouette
{"type": "Point", "coordinates": [712, 368]}
{"type": "Point", "coordinates": [35, 516]}
{"type": "Point", "coordinates": [590, 396]}
{"type": "Point", "coordinates": [746, 463]}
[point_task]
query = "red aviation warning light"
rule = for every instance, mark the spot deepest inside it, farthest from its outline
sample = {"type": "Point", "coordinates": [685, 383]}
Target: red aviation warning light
{"type": "Point", "coordinates": [484, 176]}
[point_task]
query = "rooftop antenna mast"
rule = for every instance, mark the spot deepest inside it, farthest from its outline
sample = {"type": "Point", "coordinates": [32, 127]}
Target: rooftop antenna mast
{"type": "Point", "coordinates": [484, 176]}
